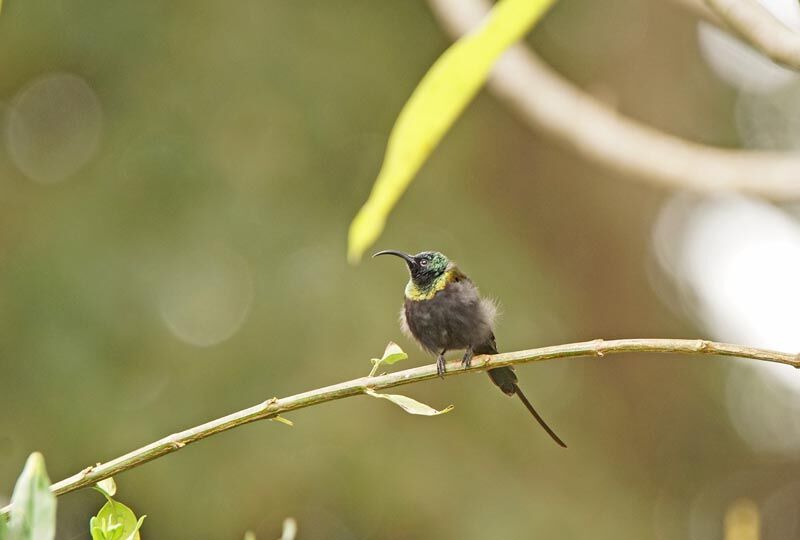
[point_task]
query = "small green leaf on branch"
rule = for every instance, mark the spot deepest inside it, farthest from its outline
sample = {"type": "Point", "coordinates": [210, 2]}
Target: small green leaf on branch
{"type": "Point", "coordinates": [283, 420]}
{"type": "Point", "coordinates": [411, 406]}
{"type": "Point", "coordinates": [108, 486]}
{"type": "Point", "coordinates": [391, 355]}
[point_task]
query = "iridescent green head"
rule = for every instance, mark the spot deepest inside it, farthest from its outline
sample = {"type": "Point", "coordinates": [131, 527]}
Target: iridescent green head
{"type": "Point", "coordinates": [425, 267]}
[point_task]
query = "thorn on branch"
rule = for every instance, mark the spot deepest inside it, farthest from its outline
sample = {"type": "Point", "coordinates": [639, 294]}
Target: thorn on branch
{"type": "Point", "coordinates": [85, 472]}
{"type": "Point", "coordinates": [270, 401]}
{"type": "Point", "coordinates": [703, 345]}
{"type": "Point", "coordinates": [597, 344]}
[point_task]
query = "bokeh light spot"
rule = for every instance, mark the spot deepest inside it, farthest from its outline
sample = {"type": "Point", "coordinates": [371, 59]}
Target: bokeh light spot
{"type": "Point", "coordinates": [764, 411]}
{"type": "Point", "coordinates": [742, 521]}
{"type": "Point", "coordinates": [734, 260]}
{"type": "Point", "coordinates": [739, 258]}
{"type": "Point", "coordinates": [54, 126]}
{"type": "Point", "coordinates": [206, 297]}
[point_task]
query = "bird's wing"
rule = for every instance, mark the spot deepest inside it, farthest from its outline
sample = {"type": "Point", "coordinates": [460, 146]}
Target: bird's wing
{"type": "Point", "coordinates": [487, 347]}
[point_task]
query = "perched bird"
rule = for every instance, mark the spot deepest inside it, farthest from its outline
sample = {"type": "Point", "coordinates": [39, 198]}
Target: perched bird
{"type": "Point", "coordinates": [443, 311]}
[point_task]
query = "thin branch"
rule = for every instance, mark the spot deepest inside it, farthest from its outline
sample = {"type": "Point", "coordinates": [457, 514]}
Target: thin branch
{"type": "Point", "coordinates": [274, 407]}
{"type": "Point", "coordinates": [700, 9]}
{"type": "Point", "coordinates": [760, 29]}
{"type": "Point", "coordinates": [550, 103]}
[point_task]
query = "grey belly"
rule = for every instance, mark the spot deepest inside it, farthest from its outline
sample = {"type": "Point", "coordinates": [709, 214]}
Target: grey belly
{"type": "Point", "coordinates": [446, 323]}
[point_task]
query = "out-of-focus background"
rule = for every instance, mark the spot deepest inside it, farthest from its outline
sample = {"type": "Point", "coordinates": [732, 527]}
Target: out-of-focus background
{"type": "Point", "coordinates": [176, 182]}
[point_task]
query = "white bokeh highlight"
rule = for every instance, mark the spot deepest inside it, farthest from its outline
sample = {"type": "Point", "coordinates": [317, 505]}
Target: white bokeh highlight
{"type": "Point", "coordinates": [53, 127]}
{"type": "Point", "coordinates": [764, 411]}
{"type": "Point", "coordinates": [205, 297]}
{"type": "Point", "coordinates": [741, 66]}
{"type": "Point", "coordinates": [735, 264]}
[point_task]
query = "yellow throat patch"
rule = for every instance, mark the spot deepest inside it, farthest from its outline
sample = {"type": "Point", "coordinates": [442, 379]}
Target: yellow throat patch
{"type": "Point", "coordinates": [417, 294]}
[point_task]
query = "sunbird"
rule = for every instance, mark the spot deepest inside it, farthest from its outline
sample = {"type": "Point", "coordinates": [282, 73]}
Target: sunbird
{"type": "Point", "coordinates": [443, 311]}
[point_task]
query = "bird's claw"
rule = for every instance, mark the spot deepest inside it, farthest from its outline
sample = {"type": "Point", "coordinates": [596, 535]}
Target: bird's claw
{"type": "Point", "coordinates": [466, 361]}
{"type": "Point", "coordinates": [440, 369]}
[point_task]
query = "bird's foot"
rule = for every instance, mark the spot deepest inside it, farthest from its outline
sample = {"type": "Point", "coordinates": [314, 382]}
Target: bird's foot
{"type": "Point", "coordinates": [440, 366]}
{"type": "Point", "coordinates": [466, 361]}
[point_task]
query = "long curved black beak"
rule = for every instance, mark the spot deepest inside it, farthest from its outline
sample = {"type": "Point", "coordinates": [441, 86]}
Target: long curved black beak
{"type": "Point", "coordinates": [408, 258]}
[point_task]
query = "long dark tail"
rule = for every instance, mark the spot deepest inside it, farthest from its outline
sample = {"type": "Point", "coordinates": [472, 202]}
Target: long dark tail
{"type": "Point", "coordinates": [539, 419]}
{"type": "Point", "coordinates": [506, 379]}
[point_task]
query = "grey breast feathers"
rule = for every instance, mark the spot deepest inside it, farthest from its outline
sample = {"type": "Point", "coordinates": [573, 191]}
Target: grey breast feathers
{"type": "Point", "coordinates": [455, 318]}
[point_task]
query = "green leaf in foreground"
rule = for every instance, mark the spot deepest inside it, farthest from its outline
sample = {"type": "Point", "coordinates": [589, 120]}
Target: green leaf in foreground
{"type": "Point", "coordinates": [409, 405]}
{"type": "Point", "coordinates": [33, 510]}
{"type": "Point", "coordinates": [441, 96]}
{"type": "Point", "coordinates": [115, 521]}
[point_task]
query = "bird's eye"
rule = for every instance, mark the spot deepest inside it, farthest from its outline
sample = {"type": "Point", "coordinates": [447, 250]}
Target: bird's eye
{"type": "Point", "coordinates": [423, 262]}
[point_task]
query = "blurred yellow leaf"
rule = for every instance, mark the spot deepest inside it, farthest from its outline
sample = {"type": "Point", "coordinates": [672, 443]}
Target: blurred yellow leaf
{"type": "Point", "coordinates": [742, 521]}
{"type": "Point", "coordinates": [441, 95]}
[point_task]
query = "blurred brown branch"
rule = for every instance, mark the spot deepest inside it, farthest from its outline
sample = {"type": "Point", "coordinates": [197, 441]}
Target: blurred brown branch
{"type": "Point", "coordinates": [752, 23]}
{"type": "Point", "coordinates": [758, 27]}
{"type": "Point", "coordinates": [274, 407]}
{"type": "Point", "coordinates": [699, 8]}
{"type": "Point", "coordinates": [550, 103]}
